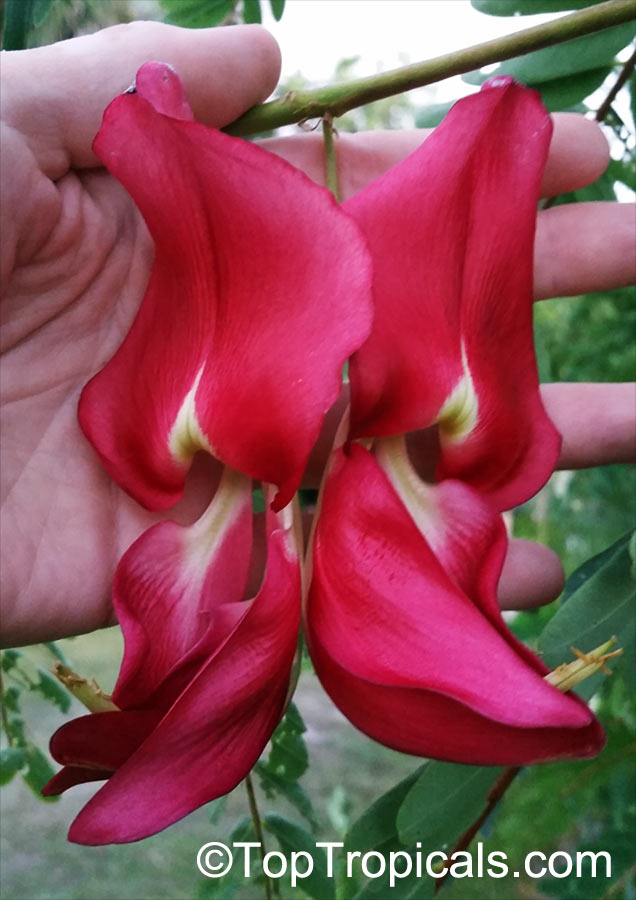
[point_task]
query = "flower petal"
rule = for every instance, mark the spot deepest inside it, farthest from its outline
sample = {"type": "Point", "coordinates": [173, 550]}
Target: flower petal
{"type": "Point", "coordinates": [233, 349]}
{"type": "Point", "coordinates": [451, 232]}
{"type": "Point", "coordinates": [383, 617]}
{"type": "Point", "coordinates": [177, 592]}
{"type": "Point", "coordinates": [217, 728]}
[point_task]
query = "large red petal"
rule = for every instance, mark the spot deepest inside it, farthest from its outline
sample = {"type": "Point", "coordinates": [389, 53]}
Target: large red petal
{"type": "Point", "coordinates": [177, 593]}
{"type": "Point", "coordinates": [217, 728]}
{"type": "Point", "coordinates": [234, 348]}
{"type": "Point", "coordinates": [382, 612]}
{"type": "Point", "coordinates": [451, 231]}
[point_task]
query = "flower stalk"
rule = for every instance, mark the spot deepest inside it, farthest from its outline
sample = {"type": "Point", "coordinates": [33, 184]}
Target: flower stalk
{"type": "Point", "coordinates": [338, 99]}
{"type": "Point", "coordinates": [258, 830]}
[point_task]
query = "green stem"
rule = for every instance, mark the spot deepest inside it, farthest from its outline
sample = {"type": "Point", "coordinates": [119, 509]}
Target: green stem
{"type": "Point", "coordinates": [258, 830]}
{"type": "Point", "coordinates": [331, 162]}
{"type": "Point", "coordinates": [3, 713]}
{"type": "Point", "coordinates": [338, 99]}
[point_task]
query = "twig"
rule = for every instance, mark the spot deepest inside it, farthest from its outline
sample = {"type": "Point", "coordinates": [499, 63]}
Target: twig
{"type": "Point", "coordinates": [331, 163]}
{"type": "Point", "coordinates": [258, 829]}
{"type": "Point", "coordinates": [338, 99]}
{"type": "Point", "coordinates": [625, 72]}
{"type": "Point", "coordinates": [495, 794]}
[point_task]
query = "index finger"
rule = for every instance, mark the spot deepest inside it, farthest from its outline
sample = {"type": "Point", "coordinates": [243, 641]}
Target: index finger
{"type": "Point", "coordinates": [56, 95]}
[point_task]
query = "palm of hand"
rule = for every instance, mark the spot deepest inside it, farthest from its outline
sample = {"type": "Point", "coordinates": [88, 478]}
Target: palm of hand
{"type": "Point", "coordinates": [66, 310]}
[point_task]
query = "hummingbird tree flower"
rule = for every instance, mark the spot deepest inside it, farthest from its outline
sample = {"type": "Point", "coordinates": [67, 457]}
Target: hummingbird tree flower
{"type": "Point", "coordinates": [233, 352]}
{"type": "Point", "coordinates": [401, 616]}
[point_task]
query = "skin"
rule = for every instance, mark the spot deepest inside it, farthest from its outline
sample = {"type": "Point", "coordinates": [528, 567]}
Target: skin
{"type": "Point", "coordinates": [74, 262]}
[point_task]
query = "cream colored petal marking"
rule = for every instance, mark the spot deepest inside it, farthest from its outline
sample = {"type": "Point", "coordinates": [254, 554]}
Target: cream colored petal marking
{"type": "Point", "coordinates": [186, 436]}
{"type": "Point", "coordinates": [458, 415]}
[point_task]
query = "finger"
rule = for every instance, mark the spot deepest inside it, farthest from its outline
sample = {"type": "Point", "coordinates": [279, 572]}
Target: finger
{"type": "Point", "coordinates": [584, 247]}
{"type": "Point", "coordinates": [56, 95]}
{"type": "Point", "coordinates": [597, 422]}
{"type": "Point", "coordinates": [578, 154]}
{"type": "Point", "coordinates": [532, 575]}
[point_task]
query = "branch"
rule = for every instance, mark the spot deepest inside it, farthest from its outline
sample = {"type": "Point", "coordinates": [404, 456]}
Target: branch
{"type": "Point", "coordinates": [626, 71]}
{"type": "Point", "coordinates": [496, 793]}
{"type": "Point", "coordinates": [338, 99]}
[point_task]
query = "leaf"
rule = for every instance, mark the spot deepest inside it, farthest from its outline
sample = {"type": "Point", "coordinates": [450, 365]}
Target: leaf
{"type": "Point", "coordinates": [527, 7]}
{"type": "Point", "coordinates": [12, 759]}
{"type": "Point", "coordinates": [196, 13]}
{"type": "Point", "coordinates": [11, 698]}
{"type": "Point", "coordinates": [39, 771]}
{"type": "Point", "coordinates": [443, 802]}
{"type": "Point", "coordinates": [252, 12]}
{"type": "Point", "coordinates": [292, 791]}
{"type": "Point", "coordinates": [432, 115]}
{"type": "Point", "coordinates": [18, 21]}
{"type": "Point", "coordinates": [294, 839]}
{"type": "Point", "coordinates": [55, 650]}
{"type": "Point", "coordinates": [410, 887]}
{"type": "Point", "coordinates": [377, 824]}
{"type": "Point", "coordinates": [10, 659]}
{"type": "Point", "coordinates": [278, 7]}
{"type": "Point", "coordinates": [569, 91]}
{"type": "Point", "coordinates": [594, 51]}
{"type": "Point", "coordinates": [288, 758]}
{"type": "Point", "coordinates": [41, 9]}
{"type": "Point", "coordinates": [601, 604]}
{"type": "Point", "coordinates": [52, 690]}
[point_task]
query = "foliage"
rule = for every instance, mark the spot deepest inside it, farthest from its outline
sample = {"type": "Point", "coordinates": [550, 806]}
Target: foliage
{"type": "Point", "coordinates": [22, 755]}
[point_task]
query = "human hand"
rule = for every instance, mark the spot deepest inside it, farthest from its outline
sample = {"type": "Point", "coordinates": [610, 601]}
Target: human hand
{"type": "Point", "coordinates": [75, 268]}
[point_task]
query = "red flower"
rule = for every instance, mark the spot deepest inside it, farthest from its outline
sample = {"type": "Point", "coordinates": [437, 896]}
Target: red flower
{"type": "Point", "coordinates": [402, 620]}
{"type": "Point", "coordinates": [233, 351]}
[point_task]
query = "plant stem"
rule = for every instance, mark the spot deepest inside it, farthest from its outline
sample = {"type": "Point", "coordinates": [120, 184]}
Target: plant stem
{"type": "Point", "coordinates": [331, 162]}
{"type": "Point", "coordinates": [3, 713]}
{"type": "Point", "coordinates": [338, 99]}
{"type": "Point", "coordinates": [495, 794]}
{"type": "Point", "coordinates": [626, 71]}
{"type": "Point", "coordinates": [258, 829]}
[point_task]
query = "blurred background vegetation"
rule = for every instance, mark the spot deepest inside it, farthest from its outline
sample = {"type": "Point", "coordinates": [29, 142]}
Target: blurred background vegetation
{"type": "Point", "coordinates": [568, 806]}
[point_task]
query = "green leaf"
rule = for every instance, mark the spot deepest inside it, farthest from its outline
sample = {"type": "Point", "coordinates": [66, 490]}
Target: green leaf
{"type": "Point", "coordinates": [410, 887]}
{"type": "Point", "coordinates": [197, 13]}
{"type": "Point", "coordinates": [288, 758]}
{"type": "Point", "coordinates": [55, 650]}
{"type": "Point", "coordinates": [432, 115]}
{"type": "Point", "coordinates": [377, 824]}
{"type": "Point", "coordinates": [292, 791]}
{"type": "Point", "coordinates": [12, 759]}
{"type": "Point", "coordinates": [252, 12]}
{"type": "Point", "coordinates": [594, 51]}
{"type": "Point", "coordinates": [41, 9]}
{"type": "Point", "coordinates": [599, 603]}
{"type": "Point", "coordinates": [567, 92]}
{"type": "Point", "coordinates": [39, 771]}
{"type": "Point", "coordinates": [528, 7]}
{"type": "Point", "coordinates": [10, 659]}
{"type": "Point", "coordinates": [18, 21]}
{"type": "Point", "coordinates": [11, 698]}
{"type": "Point", "coordinates": [278, 7]}
{"type": "Point", "coordinates": [443, 802]}
{"type": "Point", "coordinates": [50, 688]}
{"type": "Point", "coordinates": [292, 838]}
